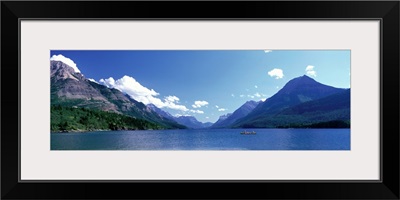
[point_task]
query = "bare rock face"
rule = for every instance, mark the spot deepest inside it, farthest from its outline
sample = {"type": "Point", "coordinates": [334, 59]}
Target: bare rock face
{"type": "Point", "coordinates": [61, 71]}
{"type": "Point", "coordinates": [68, 85]}
{"type": "Point", "coordinates": [69, 88]}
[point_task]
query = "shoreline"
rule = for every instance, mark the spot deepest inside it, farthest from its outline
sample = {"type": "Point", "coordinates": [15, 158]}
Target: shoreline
{"type": "Point", "coordinates": [80, 131]}
{"type": "Point", "coordinates": [101, 130]}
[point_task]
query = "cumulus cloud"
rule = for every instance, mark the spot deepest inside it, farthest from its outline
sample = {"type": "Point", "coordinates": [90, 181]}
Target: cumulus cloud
{"type": "Point", "coordinates": [222, 109]}
{"type": "Point", "coordinates": [256, 86]}
{"type": "Point", "coordinates": [198, 104]}
{"type": "Point", "coordinates": [142, 94]}
{"type": "Point", "coordinates": [179, 115]}
{"type": "Point", "coordinates": [277, 73]}
{"type": "Point", "coordinates": [171, 102]}
{"type": "Point", "coordinates": [197, 111]}
{"type": "Point", "coordinates": [251, 96]}
{"type": "Point", "coordinates": [257, 94]}
{"type": "Point", "coordinates": [216, 106]}
{"type": "Point", "coordinates": [310, 71]}
{"type": "Point", "coordinates": [133, 88]}
{"type": "Point", "coordinates": [90, 79]}
{"type": "Point", "coordinates": [172, 99]}
{"type": "Point", "coordinates": [65, 60]}
{"type": "Point", "coordinates": [267, 51]}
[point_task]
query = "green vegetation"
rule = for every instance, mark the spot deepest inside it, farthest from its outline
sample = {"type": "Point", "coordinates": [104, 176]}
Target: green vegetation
{"type": "Point", "coordinates": [321, 113]}
{"type": "Point", "coordinates": [295, 119]}
{"type": "Point", "coordinates": [66, 119]}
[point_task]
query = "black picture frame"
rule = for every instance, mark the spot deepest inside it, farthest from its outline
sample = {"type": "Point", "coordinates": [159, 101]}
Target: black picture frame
{"type": "Point", "coordinates": [386, 11]}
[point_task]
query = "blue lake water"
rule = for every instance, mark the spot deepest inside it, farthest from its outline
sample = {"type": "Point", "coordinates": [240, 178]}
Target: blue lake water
{"type": "Point", "coordinates": [206, 139]}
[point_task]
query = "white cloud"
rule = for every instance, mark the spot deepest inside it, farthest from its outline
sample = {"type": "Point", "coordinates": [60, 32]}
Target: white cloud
{"type": "Point", "coordinates": [232, 95]}
{"type": "Point", "coordinates": [207, 117]}
{"type": "Point", "coordinates": [277, 73]}
{"type": "Point", "coordinates": [310, 71]}
{"type": "Point", "coordinates": [170, 102]}
{"type": "Point", "coordinates": [257, 94]}
{"type": "Point", "coordinates": [90, 79]}
{"type": "Point", "coordinates": [65, 60]}
{"type": "Point", "coordinates": [197, 111]}
{"type": "Point", "coordinates": [171, 99]}
{"type": "Point", "coordinates": [263, 99]}
{"type": "Point", "coordinates": [142, 94]}
{"type": "Point", "coordinates": [179, 115]}
{"type": "Point", "coordinates": [309, 67]}
{"type": "Point", "coordinates": [241, 95]}
{"type": "Point", "coordinates": [277, 87]}
{"type": "Point", "coordinates": [217, 106]}
{"type": "Point", "coordinates": [222, 109]}
{"type": "Point", "coordinates": [174, 106]}
{"type": "Point", "coordinates": [256, 86]}
{"type": "Point", "coordinates": [130, 86]}
{"type": "Point", "coordinates": [267, 51]}
{"type": "Point", "coordinates": [198, 104]}
{"type": "Point", "coordinates": [251, 96]}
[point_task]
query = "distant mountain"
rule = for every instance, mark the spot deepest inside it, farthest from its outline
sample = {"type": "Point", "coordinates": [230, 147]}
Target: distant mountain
{"type": "Point", "coordinates": [192, 122]}
{"type": "Point", "coordinates": [222, 118]}
{"type": "Point", "coordinates": [188, 121]}
{"type": "Point", "coordinates": [161, 112]}
{"type": "Point", "coordinates": [242, 111]}
{"type": "Point", "coordinates": [296, 91]}
{"type": "Point", "coordinates": [72, 89]}
{"type": "Point", "coordinates": [207, 124]}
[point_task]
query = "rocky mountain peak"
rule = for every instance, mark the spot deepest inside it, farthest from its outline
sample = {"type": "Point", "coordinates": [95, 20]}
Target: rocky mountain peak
{"type": "Point", "coordinates": [62, 71]}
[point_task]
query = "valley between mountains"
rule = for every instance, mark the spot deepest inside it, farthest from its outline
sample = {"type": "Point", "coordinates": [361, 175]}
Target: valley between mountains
{"type": "Point", "coordinates": [79, 104]}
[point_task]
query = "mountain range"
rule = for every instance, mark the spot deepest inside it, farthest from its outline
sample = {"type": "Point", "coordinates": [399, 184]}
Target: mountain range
{"type": "Point", "coordinates": [301, 102]}
{"type": "Point", "coordinates": [188, 121]}
{"type": "Point", "coordinates": [192, 122]}
{"type": "Point", "coordinates": [72, 89]}
{"type": "Point", "coordinates": [229, 119]}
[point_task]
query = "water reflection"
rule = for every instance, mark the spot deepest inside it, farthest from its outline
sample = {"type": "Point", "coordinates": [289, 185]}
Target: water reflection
{"type": "Point", "coordinates": [218, 139]}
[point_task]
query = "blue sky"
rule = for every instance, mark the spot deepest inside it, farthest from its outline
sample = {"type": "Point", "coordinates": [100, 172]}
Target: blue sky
{"type": "Point", "coordinates": [206, 83]}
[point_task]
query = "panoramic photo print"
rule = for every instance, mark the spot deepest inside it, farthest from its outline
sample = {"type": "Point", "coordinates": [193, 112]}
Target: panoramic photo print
{"type": "Point", "coordinates": [200, 100]}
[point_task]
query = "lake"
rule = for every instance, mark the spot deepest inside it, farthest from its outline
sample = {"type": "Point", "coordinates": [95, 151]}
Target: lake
{"type": "Point", "coordinates": [205, 139]}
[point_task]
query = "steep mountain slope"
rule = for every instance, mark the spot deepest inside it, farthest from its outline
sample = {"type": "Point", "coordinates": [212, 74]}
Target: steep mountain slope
{"type": "Point", "coordinates": [241, 112]}
{"type": "Point", "coordinates": [161, 112]}
{"type": "Point", "coordinates": [70, 119]}
{"type": "Point", "coordinates": [335, 107]}
{"type": "Point", "coordinates": [296, 91]}
{"type": "Point", "coordinates": [222, 118]}
{"type": "Point", "coordinates": [69, 88]}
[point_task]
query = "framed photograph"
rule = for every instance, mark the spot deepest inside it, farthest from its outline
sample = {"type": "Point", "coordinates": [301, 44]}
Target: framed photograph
{"type": "Point", "coordinates": [213, 98]}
